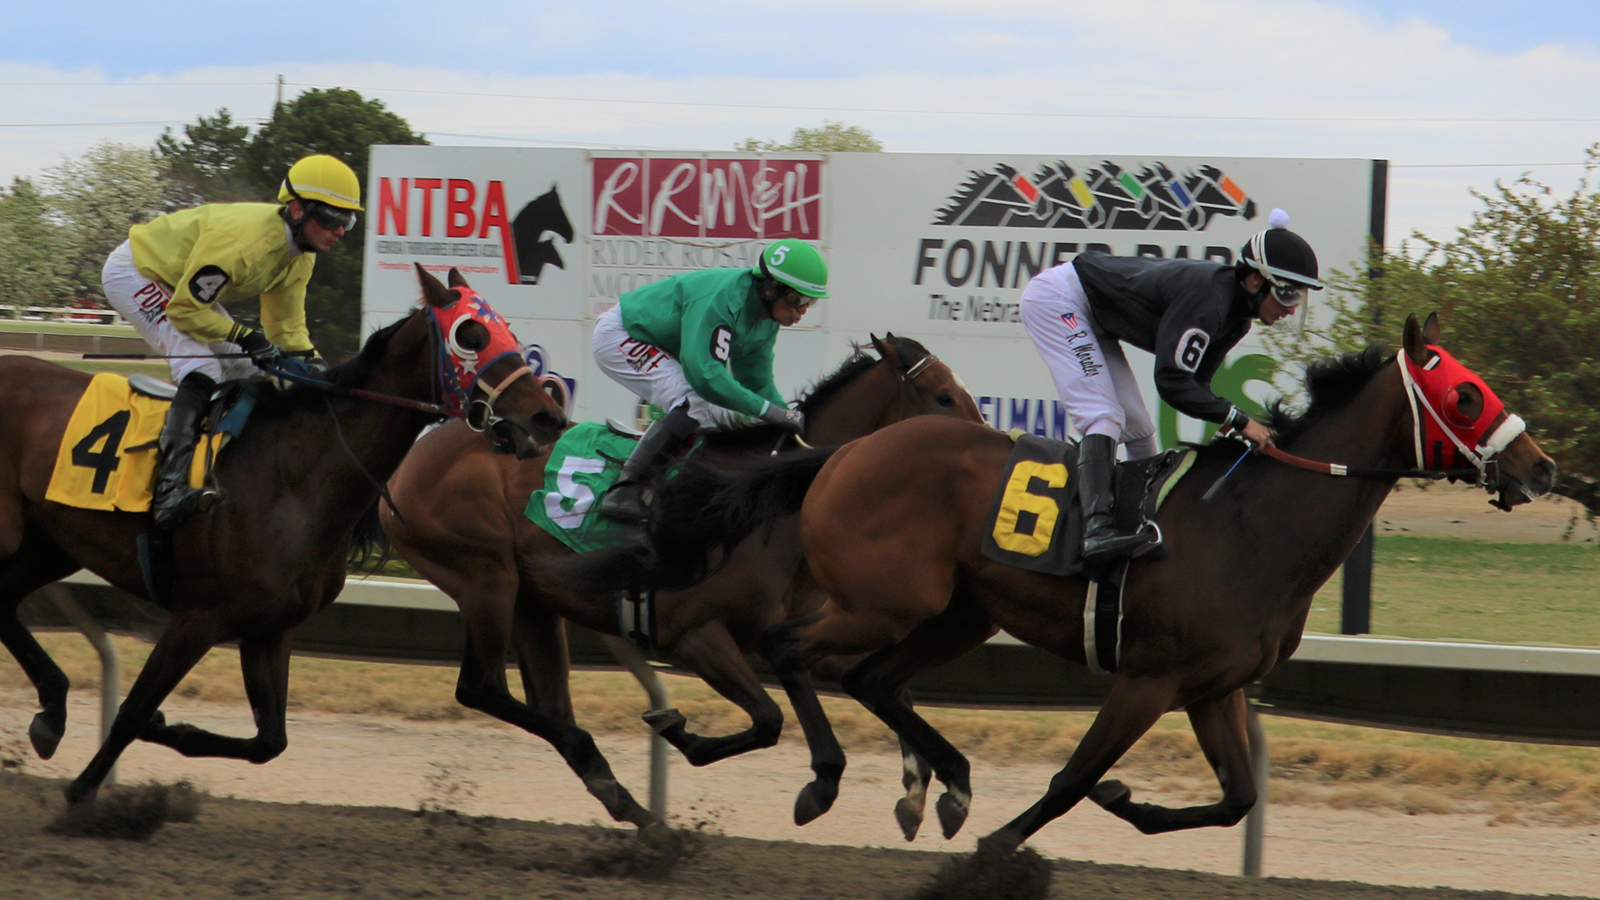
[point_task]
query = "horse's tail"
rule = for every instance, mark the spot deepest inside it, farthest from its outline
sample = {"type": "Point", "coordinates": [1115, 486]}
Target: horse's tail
{"type": "Point", "coordinates": [369, 546]}
{"type": "Point", "coordinates": [698, 515]}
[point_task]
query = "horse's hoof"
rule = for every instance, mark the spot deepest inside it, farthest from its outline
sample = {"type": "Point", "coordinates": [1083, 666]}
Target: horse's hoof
{"type": "Point", "coordinates": [45, 735]}
{"type": "Point", "coordinates": [952, 811]}
{"type": "Point", "coordinates": [655, 834]}
{"type": "Point", "coordinates": [1111, 795]}
{"type": "Point", "coordinates": [909, 815]}
{"type": "Point", "coordinates": [814, 800]}
{"type": "Point", "coordinates": [157, 723]}
{"type": "Point", "coordinates": [77, 792]}
{"type": "Point", "coordinates": [663, 720]}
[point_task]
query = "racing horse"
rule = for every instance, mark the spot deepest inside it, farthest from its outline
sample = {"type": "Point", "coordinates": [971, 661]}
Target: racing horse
{"type": "Point", "coordinates": [464, 530]}
{"type": "Point", "coordinates": [297, 480]}
{"type": "Point", "coordinates": [892, 527]}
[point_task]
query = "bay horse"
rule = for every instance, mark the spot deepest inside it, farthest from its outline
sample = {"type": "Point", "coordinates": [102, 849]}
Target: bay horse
{"type": "Point", "coordinates": [465, 531]}
{"type": "Point", "coordinates": [892, 527]}
{"type": "Point", "coordinates": [297, 480]}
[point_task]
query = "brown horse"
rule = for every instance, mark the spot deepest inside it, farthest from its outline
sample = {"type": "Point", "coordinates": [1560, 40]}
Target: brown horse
{"type": "Point", "coordinates": [465, 531]}
{"type": "Point", "coordinates": [297, 481]}
{"type": "Point", "coordinates": [893, 524]}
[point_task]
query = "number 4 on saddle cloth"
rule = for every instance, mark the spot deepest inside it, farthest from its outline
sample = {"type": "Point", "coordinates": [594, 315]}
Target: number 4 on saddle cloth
{"type": "Point", "coordinates": [1037, 523]}
{"type": "Point", "coordinates": [107, 458]}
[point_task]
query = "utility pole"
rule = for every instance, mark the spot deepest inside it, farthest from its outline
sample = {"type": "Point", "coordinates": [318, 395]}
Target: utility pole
{"type": "Point", "coordinates": [280, 94]}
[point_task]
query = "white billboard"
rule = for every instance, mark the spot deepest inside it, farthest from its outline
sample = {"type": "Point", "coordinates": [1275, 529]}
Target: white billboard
{"type": "Point", "coordinates": [932, 246]}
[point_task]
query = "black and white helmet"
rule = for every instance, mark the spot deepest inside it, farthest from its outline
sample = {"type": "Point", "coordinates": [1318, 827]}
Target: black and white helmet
{"type": "Point", "coordinates": [1283, 258]}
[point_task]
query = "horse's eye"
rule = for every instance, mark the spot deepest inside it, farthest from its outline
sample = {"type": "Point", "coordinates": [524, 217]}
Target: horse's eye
{"type": "Point", "coordinates": [944, 400]}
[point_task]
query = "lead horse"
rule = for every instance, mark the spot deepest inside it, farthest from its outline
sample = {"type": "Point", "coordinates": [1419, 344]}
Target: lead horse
{"type": "Point", "coordinates": [893, 525]}
{"type": "Point", "coordinates": [463, 529]}
{"type": "Point", "coordinates": [297, 481]}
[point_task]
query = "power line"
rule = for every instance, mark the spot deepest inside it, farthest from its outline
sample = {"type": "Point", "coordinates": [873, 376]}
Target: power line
{"type": "Point", "coordinates": [80, 124]}
{"type": "Point", "coordinates": [951, 112]}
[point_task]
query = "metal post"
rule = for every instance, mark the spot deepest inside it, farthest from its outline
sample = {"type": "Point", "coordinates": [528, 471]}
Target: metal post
{"type": "Point", "coordinates": [110, 667]}
{"type": "Point", "coordinates": [634, 661]}
{"type": "Point", "coordinates": [1355, 616]}
{"type": "Point", "coordinates": [1255, 823]}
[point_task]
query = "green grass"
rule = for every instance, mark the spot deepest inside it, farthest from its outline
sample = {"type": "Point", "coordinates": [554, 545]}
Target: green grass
{"type": "Point", "coordinates": [1447, 588]}
{"type": "Point", "coordinates": [28, 326]}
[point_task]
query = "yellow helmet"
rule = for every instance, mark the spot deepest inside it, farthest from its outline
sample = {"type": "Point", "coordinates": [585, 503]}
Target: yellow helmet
{"type": "Point", "coordinates": [325, 179]}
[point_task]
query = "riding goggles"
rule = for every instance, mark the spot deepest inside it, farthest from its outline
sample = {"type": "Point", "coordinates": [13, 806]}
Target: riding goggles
{"type": "Point", "coordinates": [1288, 293]}
{"type": "Point", "coordinates": [331, 217]}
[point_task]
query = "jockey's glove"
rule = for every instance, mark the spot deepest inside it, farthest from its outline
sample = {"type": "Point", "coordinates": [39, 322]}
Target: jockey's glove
{"type": "Point", "coordinates": [791, 420]}
{"type": "Point", "coordinates": [262, 351]}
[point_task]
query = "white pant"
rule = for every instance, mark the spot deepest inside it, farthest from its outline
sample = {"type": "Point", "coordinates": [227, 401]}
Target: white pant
{"type": "Point", "coordinates": [144, 304]}
{"type": "Point", "coordinates": [648, 371]}
{"type": "Point", "coordinates": [1092, 376]}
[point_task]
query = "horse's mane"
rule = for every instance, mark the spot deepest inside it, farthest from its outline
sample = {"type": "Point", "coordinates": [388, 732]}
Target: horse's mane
{"type": "Point", "coordinates": [1331, 382]}
{"type": "Point", "coordinates": [272, 401]}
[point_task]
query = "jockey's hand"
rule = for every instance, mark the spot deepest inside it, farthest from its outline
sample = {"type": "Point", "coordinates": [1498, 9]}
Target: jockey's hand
{"type": "Point", "coordinates": [1259, 435]}
{"type": "Point", "coordinates": [790, 420]}
{"type": "Point", "coordinates": [262, 351]}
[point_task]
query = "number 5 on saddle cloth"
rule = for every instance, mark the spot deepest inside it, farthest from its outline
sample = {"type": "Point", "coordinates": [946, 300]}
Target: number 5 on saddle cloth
{"type": "Point", "coordinates": [107, 458]}
{"type": "Point", "coordinates": [1037, 523]}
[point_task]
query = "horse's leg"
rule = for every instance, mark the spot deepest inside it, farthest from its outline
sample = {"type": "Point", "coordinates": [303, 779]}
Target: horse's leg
{"type": "Point", "coordinates": [779, 646]}
{"type": "Point", "coordinates": [264, 663]}
{"type": "Point", "coordinates": [879, 683]}
{"type": "Point", "coordinates": [482, 686]}
{"type": "Point", "coordinates": [185, 641]}
{"type": "Point", "coordinates": [1133, 706]}
{"type": "Point", "coordinates": [915, 774]}
{"type": "Point", "coordinates": [1219, 724]}
{"type": "Point", "coordinates": [37, 563]}
{"type": "Point", "coordinates": [714, 655]}
{"type": "Point", "coordinates": [539, 639]}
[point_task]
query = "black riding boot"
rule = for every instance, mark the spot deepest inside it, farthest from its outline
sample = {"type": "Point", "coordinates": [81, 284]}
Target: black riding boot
{"type": "Point", "coordinates": [174, 500]}
{"type": "Point", "coordinates": [1097, 465]}
{"type": "Point", "coordinates": [625, 501]}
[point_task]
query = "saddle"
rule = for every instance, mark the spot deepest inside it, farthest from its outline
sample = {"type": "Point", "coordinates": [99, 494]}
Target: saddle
{"type": "Point", "coordinates": [1037, 522]}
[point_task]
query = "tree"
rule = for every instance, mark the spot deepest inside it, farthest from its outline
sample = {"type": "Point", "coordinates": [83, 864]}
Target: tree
{"type": "Point", "coordinates": [1518, 294]}
{"type": "Point", "coordinates": [341, 123]}
{"type": "Point", "coordinates": [832, 137]}
{"type": "Point", "coordinates": [95, 199]}
{"type": "Point", "coordinates": [205, 164]}
{"type": "Point", "coordinates": [33, 258]}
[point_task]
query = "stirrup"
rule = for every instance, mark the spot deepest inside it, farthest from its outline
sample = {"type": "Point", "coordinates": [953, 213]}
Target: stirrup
{"type": "Point", "coordinates": [194, 501]}
{"type": "Point", "coordinates": [1116, 546]}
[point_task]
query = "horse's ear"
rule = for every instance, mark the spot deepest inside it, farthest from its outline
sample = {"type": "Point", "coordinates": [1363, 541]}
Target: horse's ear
{"type": "Point", "coordinates": [432, 288]}
{"type": "Point", "coordinates": [457, 279]}
{"type": "Point", "coordinates": [880, 346]}
{"type": "Point", "coordinates": [1430, 330]}
{"type": "Point", "coordinates": [1416, 345]}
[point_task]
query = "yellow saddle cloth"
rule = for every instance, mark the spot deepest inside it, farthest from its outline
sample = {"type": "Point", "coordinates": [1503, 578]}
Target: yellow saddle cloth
{"type": "Point", "coordinates": [108, 454]}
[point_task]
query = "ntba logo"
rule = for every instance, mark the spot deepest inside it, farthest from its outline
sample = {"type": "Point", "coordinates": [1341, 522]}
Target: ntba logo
{"type": "Point", "coordinates": [1108, 197]}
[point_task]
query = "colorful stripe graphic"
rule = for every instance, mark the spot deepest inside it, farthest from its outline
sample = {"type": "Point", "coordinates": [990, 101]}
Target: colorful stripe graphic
{"type": "Point", "coordinates": [1131, 185]}
{"type": "Point", "coordinates": [1234, 192]}
{"type": "Point", "coordinates": [1180, 194]}
{"type": "Point", "coordinates": [1025, 187]}
{"type": "Point", "coordinates": [1085, 197]}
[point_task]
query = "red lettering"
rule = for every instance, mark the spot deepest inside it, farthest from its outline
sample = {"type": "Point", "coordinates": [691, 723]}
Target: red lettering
{"type": "Point", "coordinates": [494, 216]}
{"type": "Point", "coordinates": [459, 220]}
{"type": "Point", "coordinates": [392, 206]}
{"type": "Point", "coordinates": [733, 198]}
{"type": "Point", "coordinates": [426, 186]}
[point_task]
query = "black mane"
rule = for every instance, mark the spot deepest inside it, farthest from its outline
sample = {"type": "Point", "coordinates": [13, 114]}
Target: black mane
{"type": "Point", "coordinates": [1332, 382]}
{"type": "Point", "coordinates": [273, 401]}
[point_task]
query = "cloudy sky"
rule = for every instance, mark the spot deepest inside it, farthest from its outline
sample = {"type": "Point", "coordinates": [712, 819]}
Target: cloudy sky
{"type": "Point", "coordinates": [1455, 93]}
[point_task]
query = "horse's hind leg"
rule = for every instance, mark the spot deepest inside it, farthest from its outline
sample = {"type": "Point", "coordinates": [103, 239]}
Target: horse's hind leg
{"type": "Point", "coordinates": [37, 562]}
{"type": "Point", "coordinates": [1219, 725]}
{"type": "Point", "coordinates": [264, 663]}
{"type": "Point", "coordinates": [185, 641]}
{"type": "Point", "coordinates": [714, 655]}
{"type": "Point", "coordinates": [1133, 706]}
{"type": "Point", "coordinates": [879, 683]}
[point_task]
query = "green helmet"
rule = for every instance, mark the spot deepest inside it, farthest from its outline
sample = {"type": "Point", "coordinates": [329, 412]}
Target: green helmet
{"type": "Point", "coordinates": [796, 264]}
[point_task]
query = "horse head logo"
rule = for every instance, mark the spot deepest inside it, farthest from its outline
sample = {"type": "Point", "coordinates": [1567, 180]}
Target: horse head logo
{"type": "Point", "coordinates": [543, 215]}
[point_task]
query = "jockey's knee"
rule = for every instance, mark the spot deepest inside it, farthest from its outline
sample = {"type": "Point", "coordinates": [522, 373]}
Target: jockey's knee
{"type": "Point", "coordinates": [1141, 448]}
{"type": "Point", "coordinates": [1108, 425]}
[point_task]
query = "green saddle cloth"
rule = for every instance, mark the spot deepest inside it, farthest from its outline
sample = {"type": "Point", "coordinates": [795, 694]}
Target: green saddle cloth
{"type": "Point", "coordinates": [583, 465]}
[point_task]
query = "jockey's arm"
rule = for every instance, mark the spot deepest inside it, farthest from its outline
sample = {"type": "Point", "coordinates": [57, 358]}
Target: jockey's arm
{"type": "Point", "coordinates": [206, 276]}
{"type": "Point", "coordinates": [754, 371]}
{"type": "Point", "coordinates": [707, 342]}
{"type": "Point", "coordinates": [283, 313]}
{"type": "Point", "coordinates": [1188, 350]}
